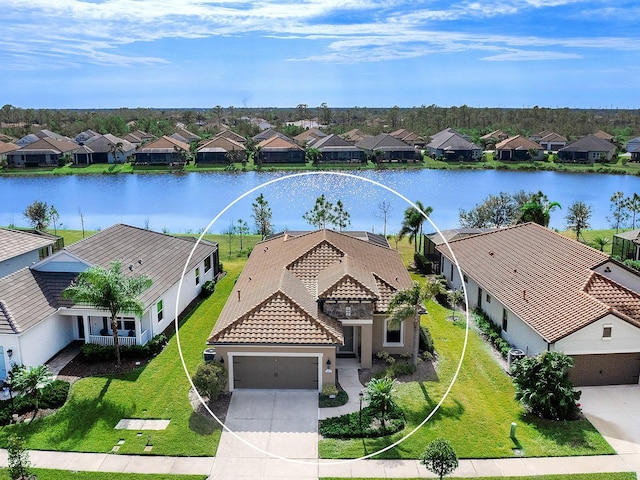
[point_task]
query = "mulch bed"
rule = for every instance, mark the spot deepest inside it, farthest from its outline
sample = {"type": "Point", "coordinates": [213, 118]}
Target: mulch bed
{"type": "Point", "coordinates": [79, 368]}
{"type": "Point", "coordinates": [426, 371]}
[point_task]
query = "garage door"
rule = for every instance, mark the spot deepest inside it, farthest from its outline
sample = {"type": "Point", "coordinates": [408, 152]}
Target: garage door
{"type": "Point", "coordinates": [610, 369]}
{"type": "Point", "coordinates": [275, 372]}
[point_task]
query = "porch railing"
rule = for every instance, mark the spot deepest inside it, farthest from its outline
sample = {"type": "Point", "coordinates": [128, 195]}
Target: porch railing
{"type": "Point", "coordinates": [122, 339]}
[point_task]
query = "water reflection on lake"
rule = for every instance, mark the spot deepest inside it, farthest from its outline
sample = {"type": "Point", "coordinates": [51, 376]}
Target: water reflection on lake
{"type": "Point", "coordinates": [188, 202]}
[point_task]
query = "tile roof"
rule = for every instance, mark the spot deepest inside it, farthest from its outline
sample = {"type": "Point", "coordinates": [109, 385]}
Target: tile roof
{"type": "Point", "coordinates": [292, 271]}
{"type": "Point", "coordinates": [50, 145]}
{"type": "Point", "coordinates": [17, 242]}
{"type": "Point", "coordinates": [517, 143]}
{"type": "Point", "coordinates": [278, 143]}
{"type": "Point", "coordinates": [384, 142]}
{"type": "Point", "coordinates": [7, 147]}
{"type": "Point", "coordinates": [536, 273]}
{"type": "Point", "coordinates": [164, 143]}
{"type": "Point", "coordinates": [221, 143]}
{"type": "Point", "coordinates": [590, 143]}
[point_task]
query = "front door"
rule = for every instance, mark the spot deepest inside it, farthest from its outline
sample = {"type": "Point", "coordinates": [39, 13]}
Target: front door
{"type": "Point", "coordinates": [349, 340]}
{"type": "Point", "coordinates": [80, 327]}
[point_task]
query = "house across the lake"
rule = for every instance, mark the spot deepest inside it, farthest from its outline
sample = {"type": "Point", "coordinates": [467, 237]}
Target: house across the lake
{"type": "Point", "coordinates": [302, 300]}
{"type": "Point", "coordinates": [36, 322]}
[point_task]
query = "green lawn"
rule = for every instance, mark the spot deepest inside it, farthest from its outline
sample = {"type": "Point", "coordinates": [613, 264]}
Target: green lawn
{"type": "Point", "coordinates": [475, 418]}
{"type": "Point", "coordinates": [578, 476]}
{"type": "Point", "coordinates": [43, 474]}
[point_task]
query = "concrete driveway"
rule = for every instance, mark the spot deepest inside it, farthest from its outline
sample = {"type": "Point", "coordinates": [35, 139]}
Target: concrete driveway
{"type": "Point", "coordinates": [615, 411]}
{"type": "Point", "coordinates": [265, 425]}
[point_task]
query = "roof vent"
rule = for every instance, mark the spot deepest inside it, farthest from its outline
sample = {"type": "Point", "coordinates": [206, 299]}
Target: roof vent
{"type": "Point", "coordinates": [490, 253]}
{"type": "Point", "coordinates": [139, 261]}
{"type": "Point", "coordinates": [131, 266]}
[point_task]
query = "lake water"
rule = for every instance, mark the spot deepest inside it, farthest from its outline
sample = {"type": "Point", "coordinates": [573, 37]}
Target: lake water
{"type": "Point", "coordinates": [184, 203]}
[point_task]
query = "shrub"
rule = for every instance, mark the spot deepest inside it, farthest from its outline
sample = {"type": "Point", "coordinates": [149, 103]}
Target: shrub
{"type": "Point", "coordinates": [348, 426]}
{"type": "Point", "coordinates": [55, 394]}
{"type": "Point", "coordinates": [329, 389]}
{"type": "Point", "coordinates": [157, 343]}
{"type": "Point", "coordinates": [93, 353]}
{"type": "Point", "coordinates": [401, 368]}
{"type": "Point", "coordinates": [491, 332]}
{"type": "Point", "coordinates": [426, 341]}
{"type": "Point", "coordinates": [210, 379]}
{"type": "Point", "coordinates": [422, 263]}
{"type": "Point", "coordinates": [439, 457]}
{"type": "Point", "coordinates": [208, 288]}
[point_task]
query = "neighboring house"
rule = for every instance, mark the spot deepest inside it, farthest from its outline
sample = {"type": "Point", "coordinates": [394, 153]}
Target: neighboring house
{"type": "Point", "coordinates": [451, 146]}
{"type": "Point", "coordinates": [633, 144]}
{"type": "Point", "coordinates": [22, 248]}
{"type": "Point", "coordinates": [36, 323]}
{"type": "Point", "coordinates": [335, 149]}
{"type": "Point", "coordinates": [490, 139]}
{"type": "Point", "coordinates": [164, 150]}
{"type": "Point", "coordinates": [232, 136]}
{"type": "Point", "coordinates": [304, 299]}
{"type": "Point", "coordinates": [138, 137]}
{"type": "Point", "coordinates": [408, 137]}
{"type": "Point", "coordinates": [185, 136]}
{"type": "Point", "coordinates": [82, 137]}
{"type": "Point", "coordinates": [6, 148]}
{"type": "Point", "coordinates": [354, 135]}
{"type": "Point", "coordinates": [279, 149]}
{"type": "Point", "coordinates": [551, 293]}
{"type": "Point", "coordinates": [43, 152]}
{"type": "Point", "coordinates": [549, 140]}
{"type": "Point", "coordinates": [104, 149]}
{"type": "Point", "coordinates": [39, 135]}
{"type": "Point", "coordinates": [518, 148]}
{"type": "Point", "coordinates": [386, 148]}
{"type": "Point", "coordinates": [309, 137]}
{"type": "Point", "coordinates": [604, 136]}
{"type": "Point", "coordinates": [433, 240]}
{"type": "Point", "coordinates": [222, 151]}
{"type": "Point", "coordinates": [267, 134]}
{"type": "Point", "coordinates": [587, 149]}
{"type": "Point", "coordinates": [626, 245]}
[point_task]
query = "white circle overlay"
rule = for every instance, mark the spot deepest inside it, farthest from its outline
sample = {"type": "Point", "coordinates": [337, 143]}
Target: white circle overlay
{"type": "Point", "coordinates": [317, 462]}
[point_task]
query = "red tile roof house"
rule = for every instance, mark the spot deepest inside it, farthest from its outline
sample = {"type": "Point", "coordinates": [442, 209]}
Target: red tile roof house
{"type": "Point", "coordinates": [551, 293]}
{"type": "Point", "coordinates": [36, 323]}
{"type": "Point", "coordinates": [518, 148]}
{"type": "Point", "coordinates": [164, 150]}
{"type": "Point", "coordinates": [44, 152]}
{"type": "Point", "coordinates": [303, 299]}
{"type": "Point", "coordinates": [221, 151]}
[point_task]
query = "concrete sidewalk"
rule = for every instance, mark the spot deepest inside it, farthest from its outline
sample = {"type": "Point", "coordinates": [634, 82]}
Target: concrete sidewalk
{"type": "Point", "coordinates": [313, 468]}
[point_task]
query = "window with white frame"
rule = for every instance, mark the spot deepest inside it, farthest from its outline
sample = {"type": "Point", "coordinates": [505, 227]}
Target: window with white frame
{"type": "Point", "coordinates": [127, 323]}
{"type": "Point", "coordinates": [607, 331]}
{"type": "Point", "coordinates": [160, 308]}
{"type": "Point", "coordinates": [207, 264]}
{"type": "Point", "coordinates": [197, 276]}
{"type": "Point", "coordinates": [347, 311]}
{"type": "Point", "coordinates": [393, 334]}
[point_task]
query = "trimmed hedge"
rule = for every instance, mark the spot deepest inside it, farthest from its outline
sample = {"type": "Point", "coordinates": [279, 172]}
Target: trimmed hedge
{"type": "Point", "coordinates": [93, 353]}
{"type": "Point", "coordinates": [52, 396]}
{"type": "Point", "coordinates": [491, 332]}
{"type": "Point", "coordinates": [348, 426]}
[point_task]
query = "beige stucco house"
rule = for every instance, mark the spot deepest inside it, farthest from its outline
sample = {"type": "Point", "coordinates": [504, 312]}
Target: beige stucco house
{"type": "Point", "coordinates": [304, 299]}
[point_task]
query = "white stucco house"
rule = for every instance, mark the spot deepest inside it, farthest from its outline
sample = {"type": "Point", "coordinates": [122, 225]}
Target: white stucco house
{"type": "Point", "coordinates": [551, 293]}
{"type": "Point", "coordinates": [21, 248]}
{"type": "Point", "coordinates": [36, 322]}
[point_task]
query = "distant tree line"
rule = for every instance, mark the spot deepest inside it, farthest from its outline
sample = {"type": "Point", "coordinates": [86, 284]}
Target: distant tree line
{"type": "Point", "coordinates": [423, 120]}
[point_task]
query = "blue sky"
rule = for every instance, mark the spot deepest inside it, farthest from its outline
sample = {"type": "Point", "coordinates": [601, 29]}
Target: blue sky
{"type": "Point", "coordinates": [199, 53]}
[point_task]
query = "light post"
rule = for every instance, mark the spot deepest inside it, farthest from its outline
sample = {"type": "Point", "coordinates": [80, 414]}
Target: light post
{"type": "Point", "coordinates": [361, 394]}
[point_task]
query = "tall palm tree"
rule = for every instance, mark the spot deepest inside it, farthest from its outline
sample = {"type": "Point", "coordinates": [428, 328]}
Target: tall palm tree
{"type": "Point", "coordinates": [412, 224]}
{"type": "Point", "coordinates": [538, 210]}
{"type": "Point", "coordinates": [409, 304]}
{"type": "Point", "coordinates": [110, 290]}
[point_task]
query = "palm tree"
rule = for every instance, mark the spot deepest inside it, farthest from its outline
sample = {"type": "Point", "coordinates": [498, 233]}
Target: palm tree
{"type": "Point", "coordinates": [409, 304]}
{"type": "Point", "coordinates": [412, 224]}
{"type": "Point", "coordinates": [109, 290]}
{"type": "Point", "coordinates": [538, 210]}
{"type": "Point", "coordinates": [30, 382]}
{"type": "Point", "coordinates": [379, 396]}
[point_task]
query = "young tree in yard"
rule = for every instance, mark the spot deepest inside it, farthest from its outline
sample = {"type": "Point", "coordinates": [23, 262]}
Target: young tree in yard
{"type": "Point", "coordinates": [409, 304]}
{"type": "Point", "coordinates": [210, 379]}
{"type": "Point", "coordinates": [619, 212]}
{"type": "Point", "coordinates": [440, 458]}
{"type": "Point", "coordinates": [379, 397]}
{"type": "Point", "coordinates": [18, 459]}
{"type": "Point", "coordinates": [342, 217]}
{"type": "Point", "coordinates": [38, 215]}
{"type": "Point", "coordinates": [110, 290]}
{"type": "Point", "coordinates": [262, 216]}
{"type": "Point", "coordinates": [54, 216]}
{"type": "Point", "coordinates": [577, 218]}
{"type": "Point", "coordinates": [601, 242]}
{"type": "Point", "coordinates": [384, 208]}
{"type": "Point", "coordinates": [30, 382]}
{"type": "Point", "coordinates": [633, 205]}
{"type": "Point", "coordinates": [543, 386]}
{"type": "Point", "coordinates": [454, 297]}
{"type": "Point", "coordinates": [321, 214]}
{"type": "Point", "coordinates": [242, 229]}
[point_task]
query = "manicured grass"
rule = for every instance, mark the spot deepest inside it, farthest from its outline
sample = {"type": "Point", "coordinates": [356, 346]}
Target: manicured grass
{"type": "Point", "coordinates": [44, 474]}
{"type": "Point", "coordinates": [568, 476]}
{"type": "Point", "coordinates": [157, 390]}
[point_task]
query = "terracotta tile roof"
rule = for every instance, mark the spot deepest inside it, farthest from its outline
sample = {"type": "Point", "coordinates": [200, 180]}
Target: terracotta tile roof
{"type": "Point", "coordinates": [517, 143]}
{"type": "Point", "coordinates": [289, 270]}
{"type": "Point", "coordinates": [164, 143]}
{"type": "Point", "coordinates": [7, 147]}
{"type": "Point", "coordinates": [279, 143]}
{"type": "Point", "coordinates": [224, 143]}
{"type": "Point", "coordinates": [16, 242]}
{"type": "Point", "coordinates": [615, 296]}
{"type": "Point", "coordinates": [536, 273]}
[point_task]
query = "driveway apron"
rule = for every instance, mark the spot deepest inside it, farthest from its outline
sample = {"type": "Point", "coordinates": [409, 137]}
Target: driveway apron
{"type": "Point", "coordinates": [266, 425]}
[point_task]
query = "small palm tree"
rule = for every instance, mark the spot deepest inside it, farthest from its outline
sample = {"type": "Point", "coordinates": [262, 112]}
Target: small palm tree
{"type": "Point", "coordinates": [30, 382]}
{"type": "Point", "coordinates": [409, 304]}
{"type": "Point", "coordinates": [379, 396]}
{"type": "Point", "coordinates": [112, 291]}
{"type": "Point", "coordinates": [412, 224]}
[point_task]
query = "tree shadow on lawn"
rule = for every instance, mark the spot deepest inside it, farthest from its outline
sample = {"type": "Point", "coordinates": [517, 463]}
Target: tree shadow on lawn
{"type": "Point", "coordinates": [455, 411]}
{"type": "Point", "coordinates": [574, 434]}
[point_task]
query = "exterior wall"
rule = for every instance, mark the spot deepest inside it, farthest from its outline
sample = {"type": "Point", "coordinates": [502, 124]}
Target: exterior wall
{"type": "Point", "coordinates": [378, 337]}
{"type": "Point", "coordinates": [518, 333]}
{"type": "Point", "coordinates": [621, 275]}
{"type": "Point", "coordinates": [9, 342]}
{"type": "Point", "coordinates": [14, 264]}
{"type": "Point", "coordinates": [324, 353]}
{"type": "Point", "coordinates": [40, 343]}
{"type": "Point", "coordinates": [625, 338]}
{"type": "Point", "coordinates": [359, 310]}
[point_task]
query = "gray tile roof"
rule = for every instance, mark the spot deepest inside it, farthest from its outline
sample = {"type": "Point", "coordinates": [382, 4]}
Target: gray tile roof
{"type": "Point", "coordinates": [16, 242]}
{"type": "Point", "coordinates": [590, 143]}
